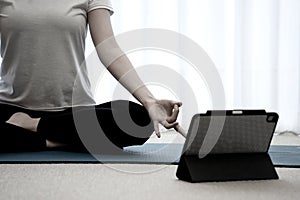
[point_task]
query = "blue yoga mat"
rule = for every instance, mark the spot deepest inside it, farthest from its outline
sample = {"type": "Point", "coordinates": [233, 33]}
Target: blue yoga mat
{"type": "Point", "coordinates": [282, 156]}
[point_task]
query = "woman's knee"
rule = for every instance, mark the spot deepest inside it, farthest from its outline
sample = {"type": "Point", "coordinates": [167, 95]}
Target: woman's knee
{"type": "Point", "coordinates": [125, 123]}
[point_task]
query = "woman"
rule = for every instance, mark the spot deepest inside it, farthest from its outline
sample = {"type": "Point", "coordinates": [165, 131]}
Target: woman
{"type": "Point", "coordinates": [42, 46]}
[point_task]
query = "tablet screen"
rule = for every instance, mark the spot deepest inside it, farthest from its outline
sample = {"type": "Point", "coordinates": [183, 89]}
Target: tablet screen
{"type": "Point", "coordinates": [249, 133]}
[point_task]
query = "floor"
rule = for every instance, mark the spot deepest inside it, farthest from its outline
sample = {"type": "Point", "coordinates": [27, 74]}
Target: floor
{"type": "Point", "coordinates": [115, 181]}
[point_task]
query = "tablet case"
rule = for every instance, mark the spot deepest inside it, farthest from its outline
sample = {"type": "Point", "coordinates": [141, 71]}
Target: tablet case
{"type": "Point", "coordinates": [238, 150]}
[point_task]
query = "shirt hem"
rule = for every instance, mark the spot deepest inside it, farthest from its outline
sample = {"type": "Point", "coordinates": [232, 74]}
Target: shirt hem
{"type": "Point", "coordinates": [50, 109]}
{"type": "Point", "coordinates": [110, 9]}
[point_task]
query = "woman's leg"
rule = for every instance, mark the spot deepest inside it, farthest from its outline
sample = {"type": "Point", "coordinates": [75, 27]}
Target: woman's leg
{"type": "Point", "coordinates": [14, 138]}
{"type": "Point", "coordinates": [124, 123]}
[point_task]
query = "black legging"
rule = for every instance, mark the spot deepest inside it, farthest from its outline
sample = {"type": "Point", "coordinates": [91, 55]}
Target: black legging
{"type": "Point", "coordinates": [124, 123]}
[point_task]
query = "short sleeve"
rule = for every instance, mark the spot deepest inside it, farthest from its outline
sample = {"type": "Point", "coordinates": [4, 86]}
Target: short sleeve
{"type": "Point", "coordinates": [96, 4]}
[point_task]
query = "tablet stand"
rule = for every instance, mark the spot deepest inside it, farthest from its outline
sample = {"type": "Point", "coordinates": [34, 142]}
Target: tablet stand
{"type": "Point", "coordinates": [226, 167]}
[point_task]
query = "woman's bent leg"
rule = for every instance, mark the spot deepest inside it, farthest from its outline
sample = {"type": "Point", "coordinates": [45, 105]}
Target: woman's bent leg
{"type": "Point", "coordinates": [15, 139]}
{"type": "Point", "coordinates": [124, 123]}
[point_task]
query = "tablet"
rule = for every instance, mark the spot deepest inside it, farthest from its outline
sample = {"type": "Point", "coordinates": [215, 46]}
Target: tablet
{"type": "Point", "coordinates": [230, 131]}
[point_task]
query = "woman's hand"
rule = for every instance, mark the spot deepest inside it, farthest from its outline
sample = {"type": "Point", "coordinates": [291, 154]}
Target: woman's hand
{"type": "Point", "coordinates": [165, 112]}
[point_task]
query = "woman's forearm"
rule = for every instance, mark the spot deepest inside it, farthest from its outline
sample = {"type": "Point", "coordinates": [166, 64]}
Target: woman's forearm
{"type": "Point", "coordinates": [122, 69]}
{"type": "Point", "coordinates": [114, 58]}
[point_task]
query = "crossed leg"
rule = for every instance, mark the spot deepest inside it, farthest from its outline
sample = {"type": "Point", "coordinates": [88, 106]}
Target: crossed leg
{"type": "Point", "coordinates": [59, 130]}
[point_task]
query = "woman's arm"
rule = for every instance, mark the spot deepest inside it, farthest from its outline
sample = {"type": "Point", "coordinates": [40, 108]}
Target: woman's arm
{"type": "Point", "coordinates": [118, 64]}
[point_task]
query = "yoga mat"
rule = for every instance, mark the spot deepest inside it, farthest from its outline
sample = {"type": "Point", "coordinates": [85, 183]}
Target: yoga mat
{"type": "Point", "coordinates": [282, 156]}
{"type": "Point", "coordinates": [285, 156]}
{"type": "Point", "coordinates": [146, 154]}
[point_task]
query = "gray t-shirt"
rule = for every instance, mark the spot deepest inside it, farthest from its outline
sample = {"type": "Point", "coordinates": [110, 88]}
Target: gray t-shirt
{"type": "Point", "coordinates": [42, 46]}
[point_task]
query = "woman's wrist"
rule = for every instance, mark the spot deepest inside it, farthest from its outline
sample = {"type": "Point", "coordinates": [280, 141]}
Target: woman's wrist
{"type": "Point", "coordinates": [147, 99]}
{"type": "Point", "coordinates": [148, 102]}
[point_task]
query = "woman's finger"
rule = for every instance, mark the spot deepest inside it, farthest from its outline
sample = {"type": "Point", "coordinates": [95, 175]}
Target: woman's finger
{"type": "Point", "coordinates": [156, 128]}
{"type": "Point", "coordinates": [169, 125]}
{"type": "Point", "coordinates": [178, 103]}
{"type": "Point", "coordinates": [180, 130]}
{"type": "Point", "coordinates": [174, 114]}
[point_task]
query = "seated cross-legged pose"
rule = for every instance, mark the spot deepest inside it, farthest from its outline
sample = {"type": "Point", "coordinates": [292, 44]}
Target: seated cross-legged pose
{"type": "Point", "coordinates": [42, 46]}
